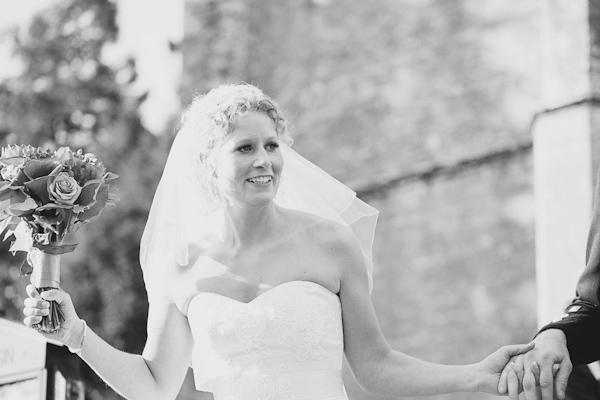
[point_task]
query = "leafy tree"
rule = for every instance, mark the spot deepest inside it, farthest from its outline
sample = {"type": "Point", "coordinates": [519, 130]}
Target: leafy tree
{"type": "Point", "coordinates": [66, 96]}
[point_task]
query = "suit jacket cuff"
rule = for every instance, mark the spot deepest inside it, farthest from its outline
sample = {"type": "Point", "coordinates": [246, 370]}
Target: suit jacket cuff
{"type": "Point", "coordinates": [581, 324]}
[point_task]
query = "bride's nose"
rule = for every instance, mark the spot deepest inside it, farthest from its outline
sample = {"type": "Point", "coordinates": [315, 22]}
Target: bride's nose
{"type": "Point", "coordinates": [262, 160]}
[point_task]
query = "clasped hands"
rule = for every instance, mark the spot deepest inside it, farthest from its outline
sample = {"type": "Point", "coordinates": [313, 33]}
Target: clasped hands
{"type": "Point", "coordinates": [541, 373]}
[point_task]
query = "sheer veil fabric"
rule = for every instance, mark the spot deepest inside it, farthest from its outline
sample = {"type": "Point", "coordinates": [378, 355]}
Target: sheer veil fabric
{"type": "Point", "coordinates": [180, 219]}
{"type": "Point", "coordinates": [180, 216]}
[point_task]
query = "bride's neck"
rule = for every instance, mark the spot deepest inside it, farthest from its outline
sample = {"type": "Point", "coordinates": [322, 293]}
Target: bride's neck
{"type": "Point", "coordinates": [248, 226]}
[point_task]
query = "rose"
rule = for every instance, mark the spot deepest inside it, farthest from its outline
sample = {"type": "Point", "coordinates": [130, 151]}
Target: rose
{"type": "Point", "coordinates": [64, 189]}
{"type": "Point", "coordinates": [15, 151]}
{"type": "Point", "coordinates": [84, 171]}
{"type": "Point", "coordinates": [27, 151]}
{"type": "Point", "coordinates": [10, 172]}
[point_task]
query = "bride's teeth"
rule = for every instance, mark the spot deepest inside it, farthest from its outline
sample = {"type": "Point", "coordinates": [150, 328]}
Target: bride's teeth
{"type": "Point", "coordinates": [261, 180]}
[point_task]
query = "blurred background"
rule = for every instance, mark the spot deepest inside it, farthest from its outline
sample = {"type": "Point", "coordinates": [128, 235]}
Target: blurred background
{"type": "Point", "coordinates": [428, 109]}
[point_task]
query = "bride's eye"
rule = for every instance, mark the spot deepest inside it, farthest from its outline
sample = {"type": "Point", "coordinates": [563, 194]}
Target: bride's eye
{"type": "Point", "coordinates": [272, 146]}
{"type": "Point", "coordinates": [245, 149]}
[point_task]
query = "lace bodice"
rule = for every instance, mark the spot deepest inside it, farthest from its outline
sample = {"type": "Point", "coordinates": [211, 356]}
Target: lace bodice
{"type": "Point", "coordinates": [285, 344]}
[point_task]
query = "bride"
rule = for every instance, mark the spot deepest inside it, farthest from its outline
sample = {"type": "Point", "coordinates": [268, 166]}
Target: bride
{"type": "Point", "coordinates": [257, 266]}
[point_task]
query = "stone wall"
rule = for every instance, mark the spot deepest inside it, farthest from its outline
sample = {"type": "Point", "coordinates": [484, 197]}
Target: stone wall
{"type": "Point", "coordinates": [454, 263]}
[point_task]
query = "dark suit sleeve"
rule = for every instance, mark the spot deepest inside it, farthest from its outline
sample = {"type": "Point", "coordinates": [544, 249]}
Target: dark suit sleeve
{"type": "Point", "coordinates": [581, 320]}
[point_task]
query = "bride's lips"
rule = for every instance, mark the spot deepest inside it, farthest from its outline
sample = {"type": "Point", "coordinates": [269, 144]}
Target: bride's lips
{"type": "Point", "coordinates": [261, 180]}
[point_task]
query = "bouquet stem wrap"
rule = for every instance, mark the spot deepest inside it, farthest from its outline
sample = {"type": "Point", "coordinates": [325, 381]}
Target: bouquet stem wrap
{"type": "Point", "coordinates": [46, 276]}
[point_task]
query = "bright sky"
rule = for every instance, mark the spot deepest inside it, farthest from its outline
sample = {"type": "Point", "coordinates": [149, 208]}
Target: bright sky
{"type": "Point", "coordinates": [14, 12]}
{"type": "Point", "coordinates": [145, 29]}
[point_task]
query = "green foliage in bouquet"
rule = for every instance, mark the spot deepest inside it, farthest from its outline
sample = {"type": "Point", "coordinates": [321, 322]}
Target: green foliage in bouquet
{"type": "Point", "coordinates": [53, 193]}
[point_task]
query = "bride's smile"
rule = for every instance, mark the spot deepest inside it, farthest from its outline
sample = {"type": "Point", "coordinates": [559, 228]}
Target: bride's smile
{"type": "Point", "coordinates": [249, 161]}
{"type": "Point", "coordinates": [261, 180]}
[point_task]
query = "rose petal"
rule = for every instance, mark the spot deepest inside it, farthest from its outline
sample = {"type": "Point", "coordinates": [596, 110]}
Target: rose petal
{"type": "Point", "coordinates": [38, 189]}
{"type": "Point", "coordinates": [44, 167]}
{"type": "Point", "coordinates": [112, 198]}
{"type": "Point", "coordinates": [88, 193]}
{"type": "Point", "coordinates": [8, 196]}
{"type": "Point", "coordinates": [9, 223]}
{"type": "Point", "coordinates": [20, 179]}
{"type": "Point", "coordinates": [10, 151]}
{"type": "Point", "coordinates": [65, 156]}
{"type": "Point", "coordinates": [23, 208]}
{"type": "Point", "coordinates": [109, 176]}
{"type": "Point", "coordinates": [11, 160]}
{"type": "Point", "coordinates": [85, 172]}
{"type": "Point", "coordinates": [101, 198]}
{"type": "Point", "coordinates": [23, 239]}
{"type": "Point", "coordinates": [16, 203]}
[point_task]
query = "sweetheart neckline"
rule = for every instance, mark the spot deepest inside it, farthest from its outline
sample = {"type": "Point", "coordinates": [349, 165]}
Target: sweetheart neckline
{"type": "Point", "coordinates": [263, 293]}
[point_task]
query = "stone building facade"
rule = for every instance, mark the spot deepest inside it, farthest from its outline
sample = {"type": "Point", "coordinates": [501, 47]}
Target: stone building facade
{"type": "Point", "coordinates": [428, 110]}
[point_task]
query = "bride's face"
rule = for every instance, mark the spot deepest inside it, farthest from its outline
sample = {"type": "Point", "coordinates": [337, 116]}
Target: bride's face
{"type": "Point", "coordinates": [249, 161]}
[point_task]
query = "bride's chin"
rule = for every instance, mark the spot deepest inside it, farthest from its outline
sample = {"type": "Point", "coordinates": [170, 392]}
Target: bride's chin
{"type": "Point", "coordinates": [254, 200]}
{"type": "Point", "coordinates": [261, 200]}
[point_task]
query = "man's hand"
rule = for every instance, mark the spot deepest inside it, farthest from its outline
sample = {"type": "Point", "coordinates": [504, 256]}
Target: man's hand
{"type": "Point", "coordinates": [547, 365]}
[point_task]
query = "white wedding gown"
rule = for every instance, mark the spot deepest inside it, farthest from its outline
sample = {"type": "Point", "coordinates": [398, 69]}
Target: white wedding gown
{"type": "Point", "coordinates": [285, 344]}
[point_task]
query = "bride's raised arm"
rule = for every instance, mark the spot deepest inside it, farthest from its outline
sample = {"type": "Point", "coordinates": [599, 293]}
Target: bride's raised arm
{"type": "Point", "coordinates": [375, 365]}
{"type": "Point", "coordinates": [156, 374]}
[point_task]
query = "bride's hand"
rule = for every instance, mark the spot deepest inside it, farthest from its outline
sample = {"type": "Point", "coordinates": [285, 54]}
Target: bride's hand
{"type": "Point", "coordinates": [490, 369]}
{"type": "Point", "coordinates": [37, 306]}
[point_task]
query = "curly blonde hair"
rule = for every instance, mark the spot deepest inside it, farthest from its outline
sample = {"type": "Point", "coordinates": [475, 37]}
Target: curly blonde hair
{"type": "Point", "coordinates": [212, 116]}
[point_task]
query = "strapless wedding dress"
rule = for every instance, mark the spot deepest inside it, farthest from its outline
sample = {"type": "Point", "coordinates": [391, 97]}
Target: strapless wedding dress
{"type": "Point", "coordinates": [285, 344]}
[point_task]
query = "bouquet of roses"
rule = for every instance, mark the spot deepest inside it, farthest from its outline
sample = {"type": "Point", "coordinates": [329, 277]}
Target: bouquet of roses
{"type": "Point", "coordinates": [45, 195]}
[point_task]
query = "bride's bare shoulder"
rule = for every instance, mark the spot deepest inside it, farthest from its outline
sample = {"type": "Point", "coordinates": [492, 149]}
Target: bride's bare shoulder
{"type": "Point", "coordinates": [319, 228]}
